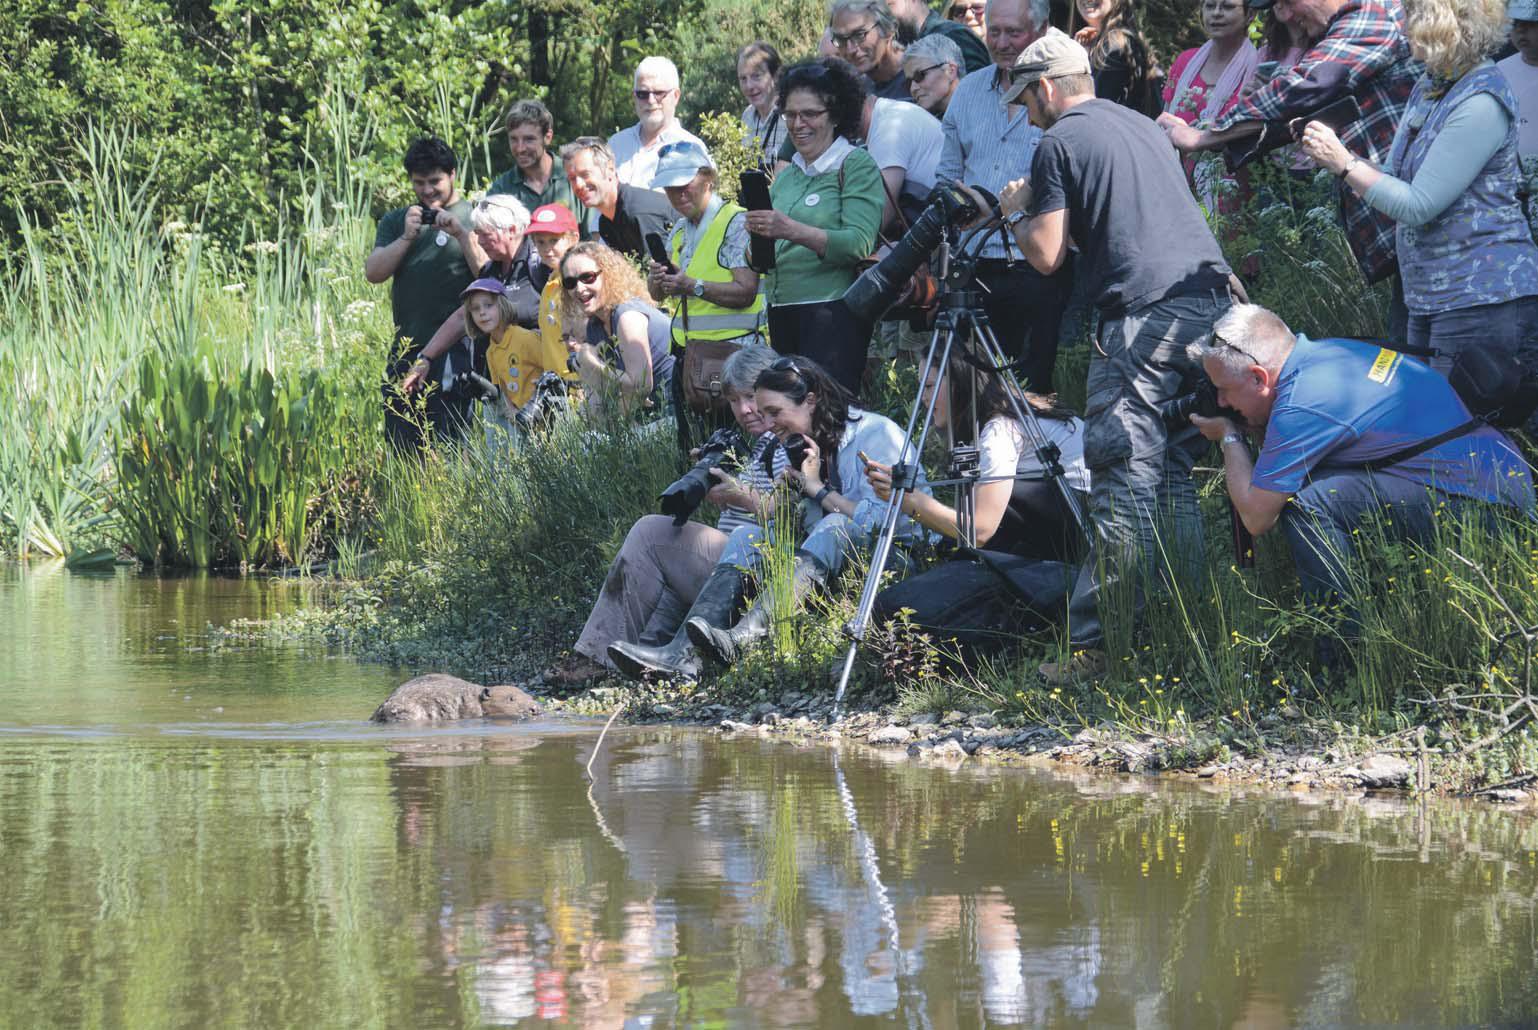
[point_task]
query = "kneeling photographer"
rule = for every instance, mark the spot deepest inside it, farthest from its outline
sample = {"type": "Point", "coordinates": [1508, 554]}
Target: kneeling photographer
{"type": "Point", "coordinates": [1350, 429]}
{"type": "Point", "coordinates": [1018, 576]}
{"type": "Point", "coordinates": [830, 441]}
{"type": "Point", "coordinates": [666, 562]}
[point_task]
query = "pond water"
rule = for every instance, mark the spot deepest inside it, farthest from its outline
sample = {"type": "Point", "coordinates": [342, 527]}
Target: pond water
{"type": "Point", "coordinates": [201, 834]}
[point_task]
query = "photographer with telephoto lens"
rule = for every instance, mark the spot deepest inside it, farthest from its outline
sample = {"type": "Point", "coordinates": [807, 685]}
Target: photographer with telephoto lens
{"type": "Point", "coordinates": [806, 407]}
{"type": "Point", "coordinates": [1350, 430]}
{"type": "Point", "coordinates": [666, 565]}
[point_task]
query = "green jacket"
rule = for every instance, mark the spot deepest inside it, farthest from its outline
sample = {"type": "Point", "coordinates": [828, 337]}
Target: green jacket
{"type": "Point", "coordinates": [845, 202]}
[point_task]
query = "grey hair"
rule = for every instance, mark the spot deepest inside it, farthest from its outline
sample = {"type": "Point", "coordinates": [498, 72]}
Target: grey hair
{"type": "Point", "coordinates": [603, 157]}
{"type": "Point", "coordinates": [661, 67]}
{"type": "Point", "coordinates": [936, 48]}
{"type": "Point", "coordinates": [1040, 10]}
{"type": "Point", "coordinates": [499, 212]}
{"type": "Point", "coordinates": [1246, 334]}
{"type": "Point", "coordinates": [877, 9]}
{"type": "Point", "coordinates": [742, 369]}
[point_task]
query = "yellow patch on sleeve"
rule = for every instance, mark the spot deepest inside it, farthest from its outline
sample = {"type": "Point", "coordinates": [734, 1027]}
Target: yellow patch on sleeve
{"type": "Point", "coordinates": [1385, 365]}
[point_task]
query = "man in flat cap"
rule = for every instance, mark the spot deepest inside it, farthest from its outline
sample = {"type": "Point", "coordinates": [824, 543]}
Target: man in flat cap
{"type": "Point", "coordinates": [1105, 176]}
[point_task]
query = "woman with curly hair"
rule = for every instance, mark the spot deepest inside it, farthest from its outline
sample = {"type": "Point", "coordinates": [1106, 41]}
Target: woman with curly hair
{"type": "Point", "coordinates": [626, 355]}
{"type": "Point", "coordinates": [1466, 256]}
{"type": "Point", "coordinates": [1118, 54]}
{"type": "Point", "coordinates": [827, 207]}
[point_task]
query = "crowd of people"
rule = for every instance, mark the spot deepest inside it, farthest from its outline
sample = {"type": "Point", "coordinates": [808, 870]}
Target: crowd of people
{"type": "Point", "coordinates": [615, 272]}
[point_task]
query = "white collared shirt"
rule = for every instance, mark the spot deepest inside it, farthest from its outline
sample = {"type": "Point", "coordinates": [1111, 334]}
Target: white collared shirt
{"type": "Point", "coordinates": [827, 161]}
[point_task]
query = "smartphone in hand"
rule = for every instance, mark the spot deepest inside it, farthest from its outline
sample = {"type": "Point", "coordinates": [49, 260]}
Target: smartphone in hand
{"type": "Point", "coordinates": [754, 195]}
{"type": "Point", "coordinates": [659, 252]}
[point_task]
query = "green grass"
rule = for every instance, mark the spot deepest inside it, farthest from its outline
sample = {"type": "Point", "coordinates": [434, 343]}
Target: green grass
{"type": "Point", "coordinates": [209, 402]}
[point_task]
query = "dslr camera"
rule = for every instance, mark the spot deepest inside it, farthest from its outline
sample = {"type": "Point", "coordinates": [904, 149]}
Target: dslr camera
{"type": "Point", "coordinates": [429, 215]}
{"type": "Point", "coordinates": [1201, 401]}
{"type": "Point", "coordinates": [682, 498]}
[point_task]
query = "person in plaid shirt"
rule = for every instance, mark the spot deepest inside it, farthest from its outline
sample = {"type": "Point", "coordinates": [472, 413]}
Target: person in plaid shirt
{"type": "Point", "coordinates": [1360, 49]}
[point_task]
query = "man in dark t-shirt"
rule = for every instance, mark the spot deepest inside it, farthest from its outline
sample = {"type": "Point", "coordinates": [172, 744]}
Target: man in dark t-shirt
{"type": "Point", "coordinates": [427, 265]}
{"type": "Point", "coordinates": [1106, 177]}
{"type": "Point", "coordinates": [620, 215]}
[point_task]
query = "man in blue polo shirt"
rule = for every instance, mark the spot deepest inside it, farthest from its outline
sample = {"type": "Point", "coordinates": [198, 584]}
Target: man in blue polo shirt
{"type": "Point", "coordinates": [1332, 411]}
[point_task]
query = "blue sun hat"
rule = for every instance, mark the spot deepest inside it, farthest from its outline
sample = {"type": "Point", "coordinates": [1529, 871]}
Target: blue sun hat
{"type": "Point", "coordinates": [1522, 10]}
{"type": "Point", "coordinates": [678, 164]}
{"type": "Point", "coordinates": [496, 286]}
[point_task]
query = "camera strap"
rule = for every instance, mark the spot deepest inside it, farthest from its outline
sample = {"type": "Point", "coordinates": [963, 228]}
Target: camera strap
{"type": "Point", "coordinates": [1417, 449]}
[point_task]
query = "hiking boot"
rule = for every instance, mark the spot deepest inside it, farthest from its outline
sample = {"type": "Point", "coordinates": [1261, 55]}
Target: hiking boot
{"type": "Point", "coordinates": [1086, 665]}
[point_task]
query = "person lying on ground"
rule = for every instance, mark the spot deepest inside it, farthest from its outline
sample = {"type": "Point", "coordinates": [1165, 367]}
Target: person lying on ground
{"type": "Point", "coordinates": [636, 625]}
{"type": "Point", "coordinates": [1018, 513]}
{"type": "Point", "coordinates": [811, 413]}
{"type": "Point", "coordinates": [1343, 422]}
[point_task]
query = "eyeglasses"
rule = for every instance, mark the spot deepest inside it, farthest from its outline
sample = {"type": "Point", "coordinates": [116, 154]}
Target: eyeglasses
{"type": "Point", "coordinates": [960, 10]}
{"type": "Point", "coordinates": [646, 94]}
{"type": "Point", "coordinates": [1219, 342]}
{"type": "Point", "coordinates": [585, 278]}
{"type": "Point", "coordinates": [855, 38]}
{"type": "Point", "coordinates": [918, 76]}
{"type": "Point", "coordinates": [811, 114]}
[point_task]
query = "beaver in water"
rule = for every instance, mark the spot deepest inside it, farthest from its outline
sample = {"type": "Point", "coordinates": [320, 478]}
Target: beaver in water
{"type": "Point", "coordinates": [439, 698]}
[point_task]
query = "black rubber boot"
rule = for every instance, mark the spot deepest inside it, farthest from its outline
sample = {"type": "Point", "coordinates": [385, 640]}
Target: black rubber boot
{"type": "Point", "coordinates": [676, 659]}
{"type": "Point", "coordinates": [726, 645]}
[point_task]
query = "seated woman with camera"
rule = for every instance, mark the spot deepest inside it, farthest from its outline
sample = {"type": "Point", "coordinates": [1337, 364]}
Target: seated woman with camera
{"type": "Point", "coordinates": [1017, 577]}
{"type": "Point", "coordinates": [636, 624]}
{"type": "Point", "coordinates": [626, 360]}
{"type": "Point", "coordinates": [829, 441]}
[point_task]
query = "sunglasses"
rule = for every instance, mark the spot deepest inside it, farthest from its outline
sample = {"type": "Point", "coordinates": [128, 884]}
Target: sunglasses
{"type": "Point", "coordinates": [958, 10]}
{"type": "Point", "coordinates": [787, 365]}
{"type": "Point", "coordinates": [585, 278]}
{"type": "Point", "coordinates": [918, 76]}
{"type": "Point", "coordinates": [647, 94]}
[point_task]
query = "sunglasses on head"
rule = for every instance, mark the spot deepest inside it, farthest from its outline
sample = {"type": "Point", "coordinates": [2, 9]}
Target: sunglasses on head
{"type": "Point", "coordinates": [585, 278]}
{"type": "Point", "coordinates": [787, 365]}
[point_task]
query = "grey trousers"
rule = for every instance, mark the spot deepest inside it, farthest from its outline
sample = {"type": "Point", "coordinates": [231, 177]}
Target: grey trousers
{"type": "Point", "coordinates": [651, 584]}
{"type": "Point", "coordinates": [1142, 500]}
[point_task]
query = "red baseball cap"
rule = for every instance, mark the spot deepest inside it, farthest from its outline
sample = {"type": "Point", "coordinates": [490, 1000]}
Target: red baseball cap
{"type": "Point", "coordinates": [553, 219]}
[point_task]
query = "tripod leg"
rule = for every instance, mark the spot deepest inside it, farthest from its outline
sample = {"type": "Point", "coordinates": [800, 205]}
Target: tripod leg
{"type": "Point", "coordinates": [940, 342]}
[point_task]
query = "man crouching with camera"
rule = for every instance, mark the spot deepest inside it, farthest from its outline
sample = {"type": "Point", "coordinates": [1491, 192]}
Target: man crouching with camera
{"type": "Point", "coordinates": [1349, 430]}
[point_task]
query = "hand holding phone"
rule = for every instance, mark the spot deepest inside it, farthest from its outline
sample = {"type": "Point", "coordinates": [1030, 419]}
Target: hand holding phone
{"type": "Point", "coordinates": [659, 253]}
{"type": "Point", "coordinates": [754, 195]}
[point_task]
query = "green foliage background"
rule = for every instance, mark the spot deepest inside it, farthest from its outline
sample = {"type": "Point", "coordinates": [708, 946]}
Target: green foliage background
{"type": "Point", "coordinates": [227, 100]}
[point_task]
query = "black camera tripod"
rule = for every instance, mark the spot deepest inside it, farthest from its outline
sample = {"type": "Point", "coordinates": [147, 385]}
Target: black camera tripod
{"type": "Point", "coordinates": [960, 319]}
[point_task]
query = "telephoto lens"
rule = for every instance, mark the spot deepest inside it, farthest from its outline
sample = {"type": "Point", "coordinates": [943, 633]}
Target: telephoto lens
{"type": "Point", "coordinates": [682, 498]}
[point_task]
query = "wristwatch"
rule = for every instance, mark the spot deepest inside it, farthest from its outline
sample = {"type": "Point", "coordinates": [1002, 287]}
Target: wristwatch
{"type": "Point", "coordinates": [1229, 438]}
{"type": "Point", "coordinates": [822, 494]}
{"type": "Point", "coordinates": [1013, 219]}
{"type": "Point", "coordinates": [698, 289]}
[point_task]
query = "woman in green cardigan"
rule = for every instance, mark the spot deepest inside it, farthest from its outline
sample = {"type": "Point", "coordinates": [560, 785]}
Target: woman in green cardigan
{"type": "Point", "coordinates": [827, 207]}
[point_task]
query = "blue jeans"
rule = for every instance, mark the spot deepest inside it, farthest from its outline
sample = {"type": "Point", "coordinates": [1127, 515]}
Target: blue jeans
{"type": "Point", "coordinates": [830, 542]}
{"type": "Point", "coordinates": [1142, 501]}
{"type": "Point", "coordinates": [1321, 520]}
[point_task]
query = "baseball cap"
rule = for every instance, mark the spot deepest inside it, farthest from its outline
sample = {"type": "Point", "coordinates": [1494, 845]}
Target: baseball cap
{"type": "Point", "coordinates": [496, 286]}
{"type": "Point", "coordinates": [678, 164]}
{"type": "Point", "coordinates": [1054, 55]}
{"type": "Point", "coordinates": [1522, 10]}
{"type": "Point", "coordinates": [554, 219]}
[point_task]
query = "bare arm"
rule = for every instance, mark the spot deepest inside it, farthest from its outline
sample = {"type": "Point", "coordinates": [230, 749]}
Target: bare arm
{"type": "Point", "coordinates": [385, 261]}
{"type": "Point", "coordinates": [1258, 508]}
